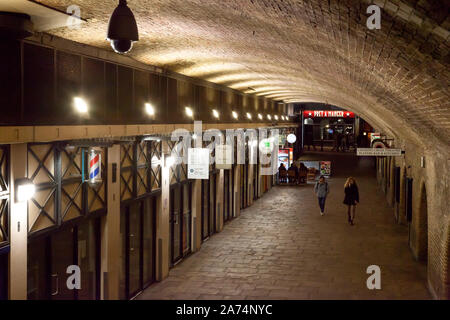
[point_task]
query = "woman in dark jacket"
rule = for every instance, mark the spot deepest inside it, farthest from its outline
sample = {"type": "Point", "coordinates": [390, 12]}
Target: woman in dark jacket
{"type": "Point", "coordinates": [351, 198]}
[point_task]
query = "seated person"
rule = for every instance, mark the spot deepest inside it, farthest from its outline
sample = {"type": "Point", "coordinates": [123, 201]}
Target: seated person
{"type": "Point", "coordinates": [293, 177]}
{"type": "Point", "coordinates": [303, 171]}
{"type": "Point", "coordinates": [282, 173]}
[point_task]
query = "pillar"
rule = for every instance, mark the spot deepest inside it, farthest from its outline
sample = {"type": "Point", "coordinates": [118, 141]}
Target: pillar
{"type": "Point", "coordinates": [19, 227]}
{"type": "Point", "coordinates": [220, 200]}
{"type": "Point", "coordinates": [250, 184]}
{"type": "Point", "coordinates": [197, 200]}
{"type": "Point", "coordinates": [110, 230]}
{"type": "Point", "coordinates": [236, 190]}
{"type": "Point", "coordinates": [163, 220]}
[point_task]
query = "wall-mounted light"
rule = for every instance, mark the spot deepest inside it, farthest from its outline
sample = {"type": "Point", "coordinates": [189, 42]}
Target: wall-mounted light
{"type": "Point", "coordinates": [269, 117]}
{"type": "Point", "coordinates": [260, 116]}
{"type": "Point", "coordinates": [155, 161]}
{"type": "Point", "coordinates": [24, 189]}
{"type": "Point", "coordinates": [215, 113]}
{"type": "Point", "coordinates": [122, 29]}
{"type": "Point", "coordinates": [249, 116]}
{"type": "Point", "coordinates": [169, 161]}
{"type": "Point", "coordinates": [234, 114]}
{"type": "Point", "coordinates": [149, 109]}
{"type": "Point", "coordinates": [80, 105]}
{"type": "Point", "coordinates": [276, 117]}
{"type": "Point", "coordinates": [189, 112]}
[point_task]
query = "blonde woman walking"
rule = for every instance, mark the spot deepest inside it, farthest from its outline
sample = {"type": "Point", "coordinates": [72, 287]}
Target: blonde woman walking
{"type": "Point", "coordinates": [351, 198]}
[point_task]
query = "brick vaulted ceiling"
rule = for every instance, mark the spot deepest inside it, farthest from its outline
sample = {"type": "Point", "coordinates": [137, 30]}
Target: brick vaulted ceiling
{"type": "Point", "coordinates": [293, 50]}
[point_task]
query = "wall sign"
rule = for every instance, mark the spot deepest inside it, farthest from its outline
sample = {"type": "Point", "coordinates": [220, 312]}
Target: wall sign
{"type": "Point", "coordinates": [328, 114]}
{"type": "Point", "coordinates": [379, 152]}
{"type": "Point", "coordinates": [198, 163]}
{"type": "Point", "coordinates": [325, 168]}
{"type": "Point", "coordinates": [266, 145]}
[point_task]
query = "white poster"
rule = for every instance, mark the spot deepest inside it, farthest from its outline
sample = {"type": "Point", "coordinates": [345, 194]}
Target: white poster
{"type": "Point", "coordinates": [198, 163]}
{"type": "Point", "coordinates": [223, 156]}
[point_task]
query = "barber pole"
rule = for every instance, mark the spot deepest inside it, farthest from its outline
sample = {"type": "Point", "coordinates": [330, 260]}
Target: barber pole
{"type": "Point", "coordinates": [95, 161]}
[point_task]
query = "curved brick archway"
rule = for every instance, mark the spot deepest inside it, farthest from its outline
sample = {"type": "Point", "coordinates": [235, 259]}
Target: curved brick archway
{"type": "Point", "coordinates": [311, 50]}
{"type": "Point", "coordinates": [396, 77]}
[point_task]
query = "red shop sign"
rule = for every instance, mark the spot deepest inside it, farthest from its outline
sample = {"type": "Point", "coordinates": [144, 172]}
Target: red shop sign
{"type": "Point", "coordinates": [328, 113]}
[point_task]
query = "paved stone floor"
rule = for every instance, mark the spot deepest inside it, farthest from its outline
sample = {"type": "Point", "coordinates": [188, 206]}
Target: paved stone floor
{"type": "Point", "coordinates": [281, 248]}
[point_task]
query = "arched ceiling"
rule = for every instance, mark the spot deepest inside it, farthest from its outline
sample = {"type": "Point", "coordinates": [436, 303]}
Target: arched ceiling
{"type": "Point", "coordinates": [293, 50]}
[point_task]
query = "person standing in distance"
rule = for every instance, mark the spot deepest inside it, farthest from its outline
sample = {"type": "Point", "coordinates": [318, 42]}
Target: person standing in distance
{"type": "Point", "coordinates": [351, 198]}
{"type": "Point", "coordinates": [321, 189]}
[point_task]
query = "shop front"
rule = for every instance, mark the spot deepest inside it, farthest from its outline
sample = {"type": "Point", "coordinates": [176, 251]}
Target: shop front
{"type": "Point", "coordinates": [64, 221]}
{"type": "Point", "coordinates": [4, 220]}
{"type": "Point", "coordinates": [228, 212]}
{"type": "Point", "coordinates": [329, 128]}
{"type": "Point", "coordinates": [140, 176]}
{"type": "Point", "coordinates": [180, 220]}
{"type": "Point", "coordinates": [209, 205]}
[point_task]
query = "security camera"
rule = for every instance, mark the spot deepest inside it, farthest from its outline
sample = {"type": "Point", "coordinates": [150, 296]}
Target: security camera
{"type": "Point", "coordinates": [121, 46]}
{"type": "Point", "coordinates": [122, 29]}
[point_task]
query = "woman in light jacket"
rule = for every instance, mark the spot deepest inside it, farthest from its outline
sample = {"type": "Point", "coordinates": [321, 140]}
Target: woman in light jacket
{"type": "Point", "coordinates": [351, 198]}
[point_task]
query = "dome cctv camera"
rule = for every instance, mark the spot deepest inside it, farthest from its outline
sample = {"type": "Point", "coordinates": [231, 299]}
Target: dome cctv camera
{"type": "Point", "coordinates": [122, 29]}
{"type": "Point", "coordinates": [121, 46]}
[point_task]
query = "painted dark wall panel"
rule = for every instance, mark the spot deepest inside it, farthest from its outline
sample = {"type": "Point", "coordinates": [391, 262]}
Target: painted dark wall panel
{"type": "Point", "coordinates": [111, 95]}
{"type": "Point", "coordinates": [68, 86]}
{"type": "Point", "coordinates": [125, 97]}
{"type": "Point", "coordinates": [141, 96]}
{"type": "Point", "coordinates": [39, 85]}
{"type": "Point", "coordinates": [173, 110]}
{"type": "Point", "coordinates": [10, 82]}
{"type": "Point", "coordinates": [115, 94]}
{"type": "Point", "coordinates": [94, 89]}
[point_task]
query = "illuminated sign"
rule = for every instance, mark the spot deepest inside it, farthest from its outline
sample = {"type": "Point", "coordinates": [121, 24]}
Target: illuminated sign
{"type": "Point", "coordinates": [328, 113]}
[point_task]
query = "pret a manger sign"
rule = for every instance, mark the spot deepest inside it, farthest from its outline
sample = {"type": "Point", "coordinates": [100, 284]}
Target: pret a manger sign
{"type": "Point", "coordinates": [328, 113]}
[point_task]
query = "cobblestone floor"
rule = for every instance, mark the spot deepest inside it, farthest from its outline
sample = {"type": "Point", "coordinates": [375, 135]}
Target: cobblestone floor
{"type": "Point", "coordinates": [281, 248]}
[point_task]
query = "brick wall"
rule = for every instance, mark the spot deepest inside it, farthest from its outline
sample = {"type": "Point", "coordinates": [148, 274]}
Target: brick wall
{"type": "Point", "coordinates": [429, 228]}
